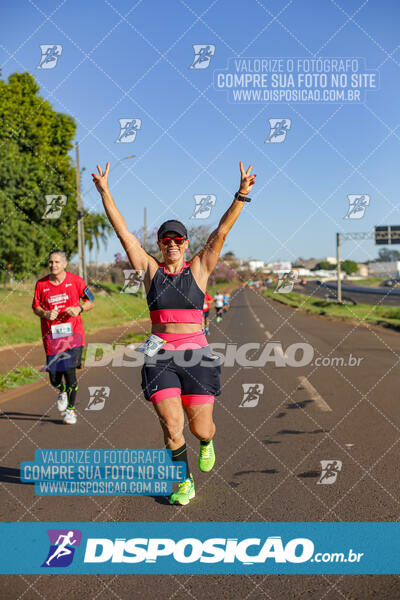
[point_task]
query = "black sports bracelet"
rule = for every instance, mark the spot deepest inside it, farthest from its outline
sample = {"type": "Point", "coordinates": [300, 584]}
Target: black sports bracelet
{"type": "Point", "coordinates": [81, 307]}
{"type": "Point", "coordinates": [242, 198]}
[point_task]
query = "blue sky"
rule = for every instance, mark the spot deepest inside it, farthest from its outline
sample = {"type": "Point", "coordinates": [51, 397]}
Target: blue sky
{"type": "Point", "coordinates": [124, 59]}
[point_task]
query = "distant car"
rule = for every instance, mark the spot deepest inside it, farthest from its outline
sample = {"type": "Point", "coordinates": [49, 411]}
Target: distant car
{"type": "Point", "coordinates": [303, 282]}
{"type": "Point", "coordinates": [394, 282]}
{"type": "Point", "coordinates": [318, 282]}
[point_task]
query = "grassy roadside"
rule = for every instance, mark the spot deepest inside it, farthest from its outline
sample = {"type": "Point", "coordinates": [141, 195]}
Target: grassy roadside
{"type": "Point", "coordinates": [18, 324]}
{"type": "Point", "coordinates": [18, 377]}
{"type": "Point", "coordinates": [375, 315]}
{"type": "Point", "coordinates": [370, 282]}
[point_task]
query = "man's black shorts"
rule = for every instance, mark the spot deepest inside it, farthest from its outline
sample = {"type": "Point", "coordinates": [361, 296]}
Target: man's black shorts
{"type": "Point", "coordinates": [64, 361]}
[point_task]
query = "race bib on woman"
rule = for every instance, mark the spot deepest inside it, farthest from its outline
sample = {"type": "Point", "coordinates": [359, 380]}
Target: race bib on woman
{"type": "Point", "coordinates": [152, 345]}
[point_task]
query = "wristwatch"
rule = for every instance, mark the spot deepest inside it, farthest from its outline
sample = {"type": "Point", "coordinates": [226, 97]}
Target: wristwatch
{"type": "Point", "coordinates": [81, 307]}
{"type": "Point", "coordinates": [242, 198]}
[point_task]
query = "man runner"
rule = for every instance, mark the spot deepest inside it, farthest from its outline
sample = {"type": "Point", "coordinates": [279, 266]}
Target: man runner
{"type": "Point", "coordinates": [227, 300]}
{"type": "Point", "coordinates": [57, 303]}
{"type": "Point", "coordinates": [206, 313]}
{"type": "Point", "coordinates": [219, 304]}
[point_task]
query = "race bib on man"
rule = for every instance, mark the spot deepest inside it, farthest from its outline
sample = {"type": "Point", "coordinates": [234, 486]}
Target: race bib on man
{"type": "Point", "coordinates": [61, 330]}
{"type": "Point", "coordinates": [152, 345]}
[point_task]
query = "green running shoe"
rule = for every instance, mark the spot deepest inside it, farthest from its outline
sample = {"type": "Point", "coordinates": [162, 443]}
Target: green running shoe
{"type": "Point", "coordinates": [206, 458]}
{"type": "Point", "coordinates": [184, 493]}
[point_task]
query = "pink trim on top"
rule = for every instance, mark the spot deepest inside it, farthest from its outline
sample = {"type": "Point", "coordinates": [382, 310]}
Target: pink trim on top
{"type": "Point", "coordinates": [165, 393]}
{"type": "Point", "coordinates": [184, 341]}
{"type": "Point", "coordinates": [176, 315]}
{"type": "Point", "coordinates": [162, 266]}
{"type": "Point", "coordinates": [191, 399]}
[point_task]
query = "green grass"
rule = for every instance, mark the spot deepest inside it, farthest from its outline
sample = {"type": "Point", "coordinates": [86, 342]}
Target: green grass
{"type": "Point", "coordinates": [368, 313]}
{"type": "Point", "coordinates": [370, 282]}
{"type": "Point", "coordinates": [131, 338]}
{"type": "Point", "coordinates": [17, 377]}
{"type": "Point", "coordinates": [19, 325]}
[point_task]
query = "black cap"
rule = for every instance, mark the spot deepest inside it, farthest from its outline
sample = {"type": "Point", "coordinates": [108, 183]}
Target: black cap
{"type": "Point", "coordinates": [172, 225]}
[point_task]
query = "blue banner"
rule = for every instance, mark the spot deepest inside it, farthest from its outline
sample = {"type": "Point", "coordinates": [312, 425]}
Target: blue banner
{"type": "Point", "coordinates": [200, 548]}
{"type": "Point", "coordinates": [102, 472]}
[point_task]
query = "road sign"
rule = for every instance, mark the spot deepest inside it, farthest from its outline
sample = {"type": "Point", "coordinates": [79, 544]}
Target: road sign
{"type": "Point", "coordinates": [387, 235]}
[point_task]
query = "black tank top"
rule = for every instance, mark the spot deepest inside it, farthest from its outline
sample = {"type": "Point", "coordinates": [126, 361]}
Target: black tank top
{"type": "Point", "coordinates": [175, 297]}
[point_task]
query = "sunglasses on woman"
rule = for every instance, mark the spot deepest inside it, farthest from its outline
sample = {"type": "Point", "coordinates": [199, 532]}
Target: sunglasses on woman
{"type": "Point", "coordinates": [177, 239]}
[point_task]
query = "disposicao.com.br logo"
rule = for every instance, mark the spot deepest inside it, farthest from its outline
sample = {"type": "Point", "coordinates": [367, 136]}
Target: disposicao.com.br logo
{"type": "Point", "coordinates": [247, 551]}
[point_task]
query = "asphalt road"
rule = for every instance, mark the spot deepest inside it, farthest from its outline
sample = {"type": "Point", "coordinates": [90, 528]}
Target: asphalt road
{"type": "Point", "coordinates": [383, 296]}
{"type": "Point", "coordinates": [268, 455]}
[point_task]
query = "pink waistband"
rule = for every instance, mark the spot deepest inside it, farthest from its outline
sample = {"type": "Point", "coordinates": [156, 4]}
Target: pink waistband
{"type": "Point", "coordinates": [184, 341]}
{"type": "Point", "coordinates": [176, 315]}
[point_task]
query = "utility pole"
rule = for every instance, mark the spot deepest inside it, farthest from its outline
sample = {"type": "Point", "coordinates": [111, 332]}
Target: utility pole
{"type": "Point", "coordinates": [80, 223]}
{"type": "Point", "coordinates": [144, 243]}
{"type": "Point", "coordinates": [145, 228]}
{"type": "Point", "coordinates": [339, 281]}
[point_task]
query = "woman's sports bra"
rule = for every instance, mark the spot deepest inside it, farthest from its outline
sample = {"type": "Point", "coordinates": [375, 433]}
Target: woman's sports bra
{"type": "Point", "coordinates": [175, 297]}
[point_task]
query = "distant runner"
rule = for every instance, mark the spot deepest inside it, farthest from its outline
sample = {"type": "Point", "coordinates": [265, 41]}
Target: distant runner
{"type": "Point", "coordinates": [227, 299]}
{"type": "Point", "coordinates": [219, 304]}
{"type": "Point", "coordinates": [206, 312]}
{"type": "Point", "coordinates": [57, 303]}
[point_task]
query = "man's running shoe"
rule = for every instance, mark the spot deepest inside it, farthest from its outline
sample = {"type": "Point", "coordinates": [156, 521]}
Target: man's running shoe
{"type": "Point", "coordinates": [206, 458]}
{"type": "Point", "coordinates": [70, 416]}
{"type": "Point", "coordinates": [62, 401]}
{"type": "Point", "coordinates": [184, 493]}
{"type": "Point", "coordinates": [207, 331]}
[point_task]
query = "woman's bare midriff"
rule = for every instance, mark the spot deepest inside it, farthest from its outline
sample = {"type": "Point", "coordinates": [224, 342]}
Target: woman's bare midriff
{"type": "Point", "coordinates": [176, 327]}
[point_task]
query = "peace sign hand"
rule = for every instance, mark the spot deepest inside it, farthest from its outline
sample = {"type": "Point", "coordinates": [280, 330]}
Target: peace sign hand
{"type": "Point", "coordinates": [101, 180]}
{"type": "Point", "coordinates": [247, 180]}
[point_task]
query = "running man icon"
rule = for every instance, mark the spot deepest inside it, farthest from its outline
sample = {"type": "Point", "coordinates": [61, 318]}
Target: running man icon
{"type": "Point", "coordinates": [61, 551]}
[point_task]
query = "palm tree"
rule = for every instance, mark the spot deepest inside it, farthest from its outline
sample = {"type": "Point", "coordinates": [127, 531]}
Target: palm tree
{"type": "Point", "coordinates": [97, 230]}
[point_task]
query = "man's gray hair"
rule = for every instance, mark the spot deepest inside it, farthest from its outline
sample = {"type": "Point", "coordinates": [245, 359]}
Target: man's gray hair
{"type": "Point", "coordinates": [60, 252]}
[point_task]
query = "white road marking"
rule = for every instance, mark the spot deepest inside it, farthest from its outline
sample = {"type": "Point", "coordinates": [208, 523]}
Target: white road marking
{"type": "Point", "coordinates": [313, 394]}
{"type": "Point", "coordinates": [268, 334]}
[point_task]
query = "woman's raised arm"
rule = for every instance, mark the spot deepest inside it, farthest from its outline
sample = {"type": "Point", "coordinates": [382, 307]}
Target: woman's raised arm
{"type": "Point", "coordinates": [138, 257]}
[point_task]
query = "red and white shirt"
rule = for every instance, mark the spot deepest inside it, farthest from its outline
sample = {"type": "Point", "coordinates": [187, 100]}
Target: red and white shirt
{"type": "Point", "coordinates": [49, 296]}
{"type": "Point", "coordinates": [207, 300]}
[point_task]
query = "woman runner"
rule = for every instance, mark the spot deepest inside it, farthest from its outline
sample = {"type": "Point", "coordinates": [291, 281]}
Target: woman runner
{"type": "Point", "coordinates": [175, 295]}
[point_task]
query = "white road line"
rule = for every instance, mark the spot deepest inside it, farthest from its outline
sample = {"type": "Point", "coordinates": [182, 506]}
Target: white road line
{"type": "Point", "coordinates": [313, 394]}
{"type": "Point", "coordinates": [268, 334]}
